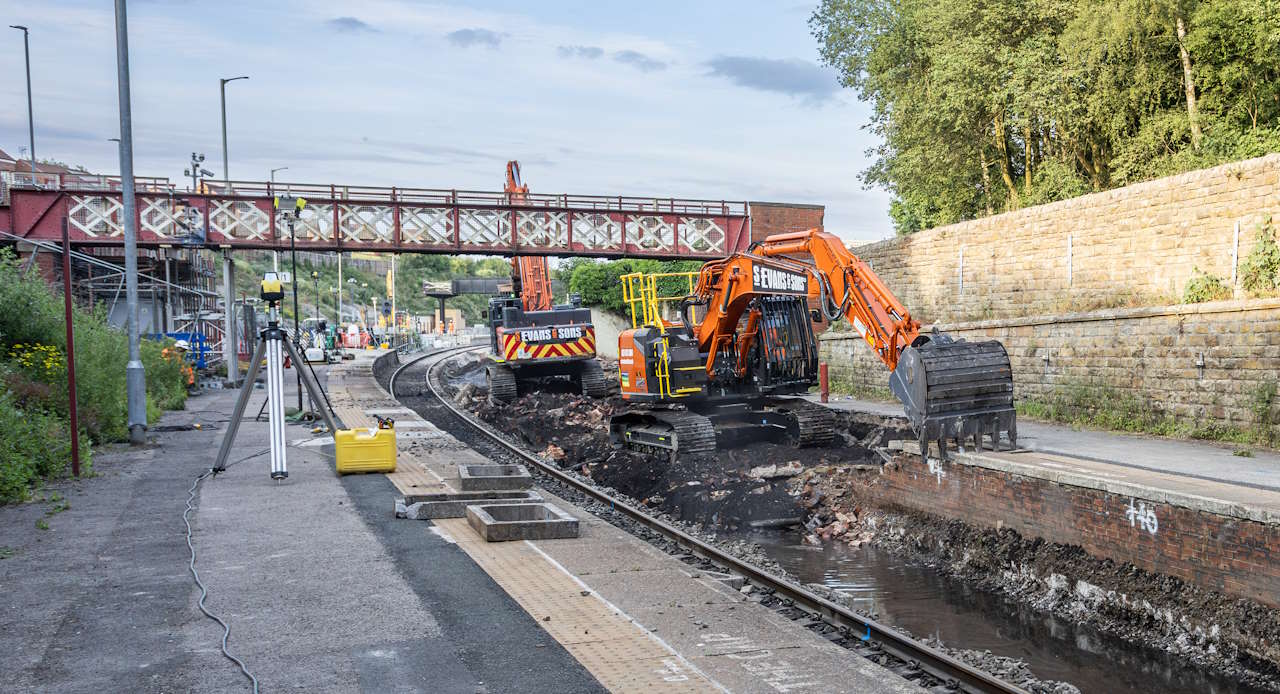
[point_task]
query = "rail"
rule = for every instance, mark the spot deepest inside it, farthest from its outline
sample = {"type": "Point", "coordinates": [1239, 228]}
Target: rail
{"type": "Point", "coordinates": [930, 660]}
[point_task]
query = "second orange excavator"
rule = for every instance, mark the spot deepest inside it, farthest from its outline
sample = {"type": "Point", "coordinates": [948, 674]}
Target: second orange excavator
{"type": "Point", "coordinates": [744, 346]}
{"type": "Point", "coordinates": [533, 341]}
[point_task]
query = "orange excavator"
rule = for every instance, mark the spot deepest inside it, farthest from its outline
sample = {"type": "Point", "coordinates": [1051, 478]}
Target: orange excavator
{"type": "Point", "coordinates": [530, 274]}
{"type": "Point", "coordinates": [533, 341]}
{"type": "Point", "coordinates": [744, 345]}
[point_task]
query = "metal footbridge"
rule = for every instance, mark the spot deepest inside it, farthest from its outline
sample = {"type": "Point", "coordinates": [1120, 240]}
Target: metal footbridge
{"type": "Point", "coordinates": [240, 215]}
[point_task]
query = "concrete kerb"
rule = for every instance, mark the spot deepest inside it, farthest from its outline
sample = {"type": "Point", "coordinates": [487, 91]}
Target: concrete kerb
{"type": "Point", "coordinates": [477, 478]}
{"type": "Point", "coordinates": [433, 506]}
{"type": "Point", "coordinates": [504, 522]}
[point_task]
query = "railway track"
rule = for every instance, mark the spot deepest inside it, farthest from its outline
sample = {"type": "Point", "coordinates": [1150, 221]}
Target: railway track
{"type": "Point", "coordinates": [953, 673]}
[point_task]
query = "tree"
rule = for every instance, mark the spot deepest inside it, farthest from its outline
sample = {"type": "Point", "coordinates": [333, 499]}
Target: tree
{"type": "Point", "coordinates": [984, 107]}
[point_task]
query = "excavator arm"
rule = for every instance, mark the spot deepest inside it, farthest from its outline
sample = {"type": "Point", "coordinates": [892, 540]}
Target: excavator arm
{"type": "Point", "coordinates": [845, 287]}
{"type": "Point", "coordinates": [530, 274]}
{"type": "Point", "coordinates": [950, 389]}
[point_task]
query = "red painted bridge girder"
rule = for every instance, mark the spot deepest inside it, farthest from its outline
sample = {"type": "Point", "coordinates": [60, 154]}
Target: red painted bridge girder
{"type": "Point", "coordinates": [363, 219]}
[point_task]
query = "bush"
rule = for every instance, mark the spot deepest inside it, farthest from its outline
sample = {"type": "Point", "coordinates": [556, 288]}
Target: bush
{"type": "Point", "coordinates": [1204, 287]}
{"type": "Point", "coordinates": [1260, 272]}
{"type": "Point", "coordinates": [34, 409]}
{"type": "Point", "coordinates": [600, 284]}
{"type": "Point", "coordinates": [33, 446]}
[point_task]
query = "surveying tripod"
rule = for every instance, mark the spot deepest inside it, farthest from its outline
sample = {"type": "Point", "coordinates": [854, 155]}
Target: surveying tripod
{"type": "Point", "coordinates": [273, 343]}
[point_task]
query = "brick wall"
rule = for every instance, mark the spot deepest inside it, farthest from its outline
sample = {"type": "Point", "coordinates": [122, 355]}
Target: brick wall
{"type": "Point", "coordinates": [1136, 245]}
{"type": "Point", "coordinates": [776, 218]}
{"type": "Point", "coordinates": [1151, 352]}
{"type": "Point", "coordinates": [1230, 555]}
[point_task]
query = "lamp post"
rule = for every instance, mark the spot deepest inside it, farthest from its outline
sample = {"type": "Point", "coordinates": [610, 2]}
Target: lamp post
{"type": "Point", "coordinates": [315, 284]}
{"type": "Point", "coordinates": [351, 282]}
{"type": "Point", "coordinates": [31, 120]}
{"type": "Point", "coordinates": [222, 88]}
{"type": "Point", "coordinates": [275, 255]}
{"type": "Point", "coordinates": [135, 372]}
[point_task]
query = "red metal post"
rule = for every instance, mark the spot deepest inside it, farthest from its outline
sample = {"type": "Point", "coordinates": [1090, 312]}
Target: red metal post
{"type": "Point", "coordinates": [333, 196]}
{"type": "Point", "coordinates": [71, 350]}
{"type": "Point", "coordinates": [395, 220]}
{"type": "Point", "coordinates": [824, 385]}
{"type": "Point", "coordinates": [457, 234]}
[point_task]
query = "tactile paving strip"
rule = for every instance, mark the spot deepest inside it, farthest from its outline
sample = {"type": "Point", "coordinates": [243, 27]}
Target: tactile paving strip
{"type": "Point", "coordinates": [618, 652]}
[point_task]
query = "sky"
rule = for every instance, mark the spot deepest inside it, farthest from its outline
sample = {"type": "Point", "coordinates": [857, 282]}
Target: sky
{"type": "Point", "coordinates": [694, 98]}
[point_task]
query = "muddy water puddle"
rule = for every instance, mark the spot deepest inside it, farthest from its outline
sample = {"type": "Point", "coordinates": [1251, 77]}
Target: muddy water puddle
{"type": "Point", "coordinates": [926, 603]}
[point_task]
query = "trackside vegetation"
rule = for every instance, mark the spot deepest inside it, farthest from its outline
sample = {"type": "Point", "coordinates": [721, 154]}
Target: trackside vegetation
{"type": "Point", "coordinates": [986, 107]}
{"type": "Point", "coordinates": [35, 441]}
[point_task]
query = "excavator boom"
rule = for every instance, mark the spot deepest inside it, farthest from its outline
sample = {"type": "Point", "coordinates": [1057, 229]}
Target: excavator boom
{"type": "Point", "coordinates": [950, 389]}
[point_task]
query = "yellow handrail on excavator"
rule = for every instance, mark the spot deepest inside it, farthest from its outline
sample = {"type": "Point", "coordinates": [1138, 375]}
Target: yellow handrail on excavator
{"type": "Point", "coordinates": [640, 293]}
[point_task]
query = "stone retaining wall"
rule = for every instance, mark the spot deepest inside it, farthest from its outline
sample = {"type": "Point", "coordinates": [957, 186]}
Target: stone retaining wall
{"type": "Point", "coordinates": [1136, 245]}
{"type": "Point", "coordinates": [1199, 362]}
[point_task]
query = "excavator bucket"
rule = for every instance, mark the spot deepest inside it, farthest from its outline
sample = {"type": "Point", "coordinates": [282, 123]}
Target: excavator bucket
{"type": "Point", "coordinates": [959, 390]}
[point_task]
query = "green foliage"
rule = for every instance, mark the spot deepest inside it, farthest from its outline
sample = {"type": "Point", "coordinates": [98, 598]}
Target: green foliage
{"type": "Point", "coordinates": [986, 107]}
{"type": "Point", "coordinates": [33, 446]}
{"type": "Point", "coordinates": [1262, 404]}
{"type": "Point", "coordinates": [1102, 406]}
{"type": "Point", "coordinates": [1204, 287]}
{"type": "Point", "coordinates": [599, 283]}
{"type": "Point", "coordinates": [411, 270]}
{"type": "Point", "coordinates": [842, 386]}
{"type": "Point", "coordinates": [1260, 272]}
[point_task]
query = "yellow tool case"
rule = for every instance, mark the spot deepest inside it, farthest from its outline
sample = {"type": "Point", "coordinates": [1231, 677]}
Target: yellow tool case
{"type": "Point", "coordinates": [365, 450]}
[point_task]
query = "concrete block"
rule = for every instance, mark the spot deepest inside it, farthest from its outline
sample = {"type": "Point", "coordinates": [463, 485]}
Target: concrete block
{"type": "Point", "coordinates": [504, 522]}
{"type": "Point", "coordinates": [479, 478]}
{"type": "Point", "coordinates": [446, 505]}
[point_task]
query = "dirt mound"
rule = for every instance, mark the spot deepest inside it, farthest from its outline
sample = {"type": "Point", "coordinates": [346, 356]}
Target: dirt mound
{"type": "Point", "coordinates": [731, 489]}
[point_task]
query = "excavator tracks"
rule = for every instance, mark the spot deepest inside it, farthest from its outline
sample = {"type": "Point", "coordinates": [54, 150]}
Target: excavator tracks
{"type": "Point", "coordinates": [503, 387]}
{"type": "Point", "coordinates": [694, 433]}
{"type": "Point", "coordinates": [674, 432]}
{"type": "Point", "coordinates": [814, 424]}
{"type": "Point", "coordinates": [594, 382]}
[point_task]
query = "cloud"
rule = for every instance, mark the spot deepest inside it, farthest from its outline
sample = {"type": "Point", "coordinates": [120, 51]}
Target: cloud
{"type": "Point", "coordinates": [588, 52]}
{"type": "Point", "coordinates": [350, 25]}
{"type": "Point", "coordinates": [790, 76]}
{"type": "Point", "coordinates": [639, 61]}
{"type": "Point", "coordinates": [475, 37]}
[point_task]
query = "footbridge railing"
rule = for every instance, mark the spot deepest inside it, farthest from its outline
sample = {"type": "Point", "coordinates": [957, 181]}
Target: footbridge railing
{"type": "Point", "coordinates": [357, 218]}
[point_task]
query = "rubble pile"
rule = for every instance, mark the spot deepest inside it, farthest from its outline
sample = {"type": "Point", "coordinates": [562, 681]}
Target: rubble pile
{"type": "Point", "coordinates": [731, 489]}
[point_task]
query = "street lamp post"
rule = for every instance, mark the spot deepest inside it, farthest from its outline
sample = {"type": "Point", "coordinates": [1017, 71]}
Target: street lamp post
{"type": "Point", "coordinates": [222, 87]}
{"type": "Point", "coordinates": [31, 121]}
{"type": "Point", "coordinates": [275, 255]}
{"type": "Point", "coordinates": [135, 372]}
{"type": "Point", "coordinates": [315, 284]}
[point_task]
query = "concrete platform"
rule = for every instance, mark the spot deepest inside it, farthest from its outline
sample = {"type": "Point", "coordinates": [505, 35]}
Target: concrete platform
{"type": "Point", "coordinates": [324, 590]}
{"type": "Point", "coordinates": [1195, 475]}
{"type": "Point", "coordinates": [1198, 460]}
{"type": "Point", "coordinates": [503, 522]}
{"type": "Point", "coordinates": [636, 618]}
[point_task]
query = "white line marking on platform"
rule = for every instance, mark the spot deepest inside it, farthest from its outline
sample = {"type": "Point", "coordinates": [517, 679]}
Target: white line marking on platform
{"type": "Point", "coordinates": [656, 639]}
